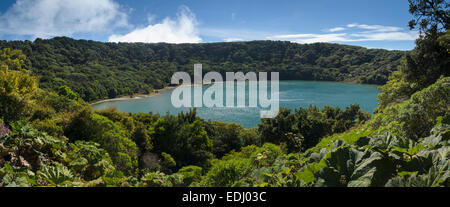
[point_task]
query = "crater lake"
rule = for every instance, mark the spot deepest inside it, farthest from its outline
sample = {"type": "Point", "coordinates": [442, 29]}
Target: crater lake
{"type": "Point", "coordinates": [292, 95]}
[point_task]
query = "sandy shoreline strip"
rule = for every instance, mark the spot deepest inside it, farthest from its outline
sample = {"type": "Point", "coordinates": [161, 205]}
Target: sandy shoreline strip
{"type": "Point", "coordinates": [140, 96]}
{"type": "Point", "coordinates": [135, 96]}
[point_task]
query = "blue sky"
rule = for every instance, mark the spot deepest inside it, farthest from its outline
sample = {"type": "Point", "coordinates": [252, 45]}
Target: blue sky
{"type": "Point", "coordinates": [368, 23]}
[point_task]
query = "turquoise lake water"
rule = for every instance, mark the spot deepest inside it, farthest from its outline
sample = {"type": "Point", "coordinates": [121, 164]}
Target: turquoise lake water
{"type": "Point", "coordinates": [292, 94]}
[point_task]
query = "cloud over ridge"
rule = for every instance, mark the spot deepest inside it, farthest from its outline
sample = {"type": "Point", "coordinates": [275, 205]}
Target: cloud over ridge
{"type": "Point", "coordinates": [48, 18]}
{"type": "Point", "coordinates": [365, 33]}
{"type": "Point", "coordinates": [182, 29]}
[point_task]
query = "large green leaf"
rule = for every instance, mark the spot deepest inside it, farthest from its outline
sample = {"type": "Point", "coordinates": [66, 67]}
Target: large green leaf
{"type": "Point", "coordinates": [58, 175]}
{"type": "Point", "coordinates": [437, 176]}
{"type": "Point", "coordinates": [351, 167]}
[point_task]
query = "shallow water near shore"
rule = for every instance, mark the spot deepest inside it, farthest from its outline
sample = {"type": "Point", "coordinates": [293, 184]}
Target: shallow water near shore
{"type": "Point", "coordinates": [292, 94]}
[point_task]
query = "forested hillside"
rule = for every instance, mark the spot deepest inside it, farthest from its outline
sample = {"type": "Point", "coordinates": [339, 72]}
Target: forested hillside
{"type": "Point", "coordinates": [97, 70]}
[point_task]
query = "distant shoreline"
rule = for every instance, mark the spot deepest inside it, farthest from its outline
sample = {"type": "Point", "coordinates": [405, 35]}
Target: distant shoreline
{"type": "Point", "coordinates": [139, 96]}
{"type": "Point", "coordinates": [134, 96]}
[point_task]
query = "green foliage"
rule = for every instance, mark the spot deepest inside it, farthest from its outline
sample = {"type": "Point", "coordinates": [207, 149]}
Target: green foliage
{"type": "Point", "coordinates": [395, 91]}
{"type": "Point", "coordinates": [393, 155]}
{"type": "Point", "coordinates": [230, 136]}
{"type": "Point", "coordinates": [19, 177]}
{"type": "Point", "coordinates": [142, 138]}
{"type": "Point", "coordinates": [382, 160]}
{"type": "Point", "coordinates": [191, 175]}
{"type": "Point", "coordinates": [305, 127]}
{"type": "Point", "coordinates": [119, 118]}
{"type": "Point", "coordinates": [17, 88]}
{"type": "Point", "coordinates": [432, 16]}
{"type": "Point", "coordinates": [167, 163]}
{"type": "Point", "coordinates": [159, 179]}
{"type": "Point", "coordinates": [430, 59]}
{"type": "Point", "coordinates": [68, 93]}
{"type": "Point", "coordinates": [26, 147]}
{"type": "Point", "coordinates": [432, 179]}
{"type": "Point", "coordinates": [427, 62]}
{"type": "Point", "coordinates": [415, 117]}
{"type": "Point", "coordinates": [233, 169]}
{"type": "Point", "coordinates": [184, 138]}
{"type": "Point", "coordinates": [88, 160]}
{"type": "Point", "coordinates": [352, 137]}
{"type": "Point", "coordinates": [351, 167]}
{"type": "Point", "coordinates": [13, 60]}
{"type": "Point", "coordinates": [58, 175]}
{"type": "Point", "coordinates": [111, 137]}
{"type": "Point", "coordinates": [115, 178]}
{"type": "Point", "coordinates": [444, 40]}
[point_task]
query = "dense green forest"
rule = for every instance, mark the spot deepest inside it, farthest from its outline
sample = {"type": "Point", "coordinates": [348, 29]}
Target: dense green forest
{"type": "Point", "coordinates": [50, 136]}
{"type": "Point", "coordinates": [97, 70]}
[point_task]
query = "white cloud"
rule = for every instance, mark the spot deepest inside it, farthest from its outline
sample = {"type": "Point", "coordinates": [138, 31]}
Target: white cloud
{"type": "Point", "coordinates": [336, 29]}
{"type": "Point", "coordinates": [364, 33]}
{"type": "Point", "coordinates": [391, 36]}
{"type": "Point", "coordinates": [233, 39]}
{"type": "Point", "coordinates": [375, 28]}
{"type": "Point", "coordinates": [47, 18]}
{"type": "Point", "coordinates": [311, 38]}
{"type": "Point", "coordinates": [181, 30]}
